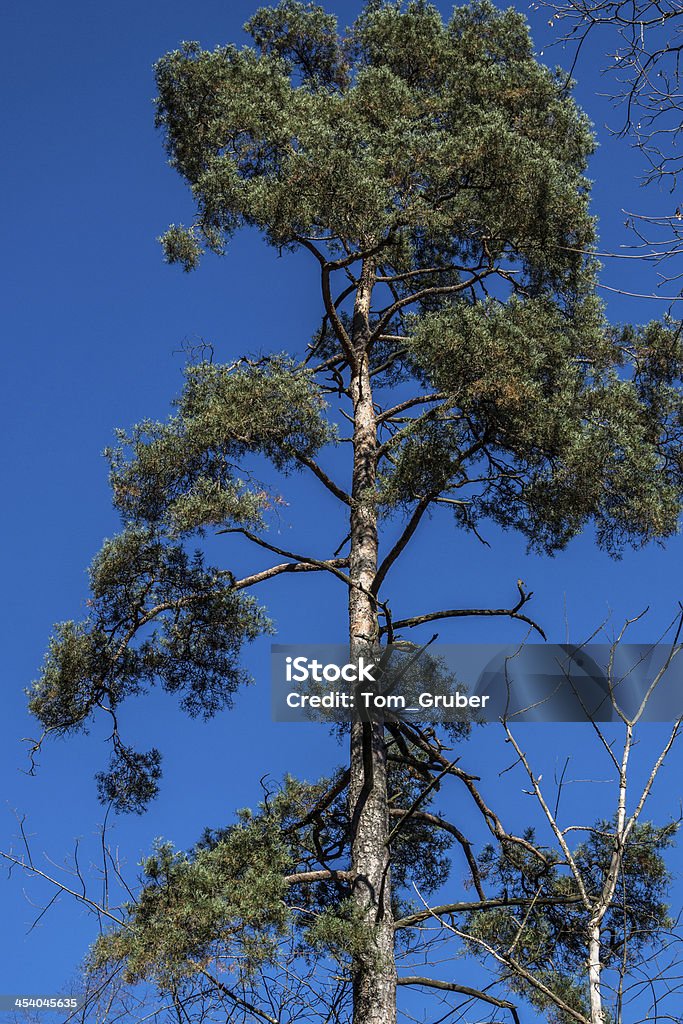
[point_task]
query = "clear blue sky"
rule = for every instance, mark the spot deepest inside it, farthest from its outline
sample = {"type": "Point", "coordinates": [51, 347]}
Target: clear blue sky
{"type": "Point", "coordinates": [92, 325]}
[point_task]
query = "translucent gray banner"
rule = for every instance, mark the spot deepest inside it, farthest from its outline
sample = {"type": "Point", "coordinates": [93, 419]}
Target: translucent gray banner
{"type": "Point", "coordinates": [479, 682]}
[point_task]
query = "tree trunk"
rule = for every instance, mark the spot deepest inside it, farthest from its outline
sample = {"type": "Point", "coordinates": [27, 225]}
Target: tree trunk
{"type": "Point", "coordinates": [374, 967]}
{"type": "Point", "coordinates": [594, 973]}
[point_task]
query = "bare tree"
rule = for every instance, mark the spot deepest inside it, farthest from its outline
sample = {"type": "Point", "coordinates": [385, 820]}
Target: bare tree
{"type": "Point", "coordinates": [607, 949]}
{"type": "Point", "coordinates": [642, 42]}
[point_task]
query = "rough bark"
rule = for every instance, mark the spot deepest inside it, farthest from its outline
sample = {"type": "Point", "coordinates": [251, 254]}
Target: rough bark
{"type": "Point", "coordinates": [374, 968]}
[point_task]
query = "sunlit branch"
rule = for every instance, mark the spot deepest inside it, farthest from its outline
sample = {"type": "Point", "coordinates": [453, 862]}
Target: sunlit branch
{"type": "Point", "coordinates": [409, 404]}
{"type": "Point", "coordinates": [516, 966]}
{"type": "Point", "coordinates": [323, 875]}
{"type": "Point", "coordinates": [327, 565]}
{"type": "Point", "coordinates": [277, 570]}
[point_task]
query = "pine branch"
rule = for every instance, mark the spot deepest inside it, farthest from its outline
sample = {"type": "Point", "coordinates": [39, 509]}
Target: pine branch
{"type": "Point", "coordinates": [327, 565]}
{"type": "Point", "coordinates": [426, 293]}
{"type": "Point", "coordinates": [447, 826]}
{"type": "Point", "coordinates": [388, 362]}
{"type": "Point", "coordinates": [324, 802]}
{"type": "Point", "coordinates": [320, 473]}
{"type": "Point", "coordinates": [412, 811]}
{"type": "Point", "coordinates": [323, 875]}
{"type": "Point", "coordinates": [409, 404]}
{"type": "Point", "coordinates": [326, 319]}
{"type": "Point", "coordinates": [411, 920]}
{"type": "Point", "coordinates": [276, 570]}
{"type": "Point", "coordinates": [328, 301]}
{"type": "Point", "coordinates": [416, 736]}
{"type": "Point", "coordinates": [402, 542]}
{"type": "Point", "coordinates": [420, 272]}
{"type": "Point", "coordinates": [465, 990]}
{"type": "Point", "coordinates": [451, 613]}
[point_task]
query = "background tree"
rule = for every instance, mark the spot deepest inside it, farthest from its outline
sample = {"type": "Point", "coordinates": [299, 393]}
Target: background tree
{"type": "Point", "coordinates": [434, 173]}
{"type": "Point", "coordinates": [593, 958]}
{"type": "Point", "coordinates": [642, 42]}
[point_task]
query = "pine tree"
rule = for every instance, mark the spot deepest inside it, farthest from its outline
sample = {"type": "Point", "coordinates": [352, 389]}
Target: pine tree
{"type": "Point", "coordinates": [434, 173]}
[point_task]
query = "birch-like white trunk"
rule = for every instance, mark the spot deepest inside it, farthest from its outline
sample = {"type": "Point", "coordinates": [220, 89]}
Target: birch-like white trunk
{"type": "Point", "coordinates": [594, 973]}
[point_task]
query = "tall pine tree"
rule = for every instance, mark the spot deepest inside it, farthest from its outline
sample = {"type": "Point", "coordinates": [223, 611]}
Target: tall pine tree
{"type": "Point", "coordinates": [434, 173]}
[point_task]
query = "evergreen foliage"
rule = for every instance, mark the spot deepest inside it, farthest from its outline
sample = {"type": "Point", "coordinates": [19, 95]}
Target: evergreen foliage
{"type": "Point", "coordinates": [456, 166]}
{"type": "Point", "coordinates": [188, 625]}
{"type": "Point", "coordinates": [434, 171]}
{"type": "Point", "coordinates": [236, 894]}
{"type": "Point", "coordinates": [551, 941]}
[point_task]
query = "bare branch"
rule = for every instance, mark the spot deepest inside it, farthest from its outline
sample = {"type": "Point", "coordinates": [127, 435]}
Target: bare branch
{"type": "Point", "coordinates": [465, 990]}
{"type": "Point", "coordinates": [402, 542]}
{"type": "Point", "coordinates": [325, 564]}
{"type": "Point", "coordinates": [464, 907]}
{"type": "Point", "coordinates": [320, 473]}
{"type": "Point", "coordinates": [319, 876]}
{"type": "Point", "coordinates": [512, 613]}
{"type": "Point", "coordinates": [409, 404]}
{"type": "Point", "coordinates": [277, 570]}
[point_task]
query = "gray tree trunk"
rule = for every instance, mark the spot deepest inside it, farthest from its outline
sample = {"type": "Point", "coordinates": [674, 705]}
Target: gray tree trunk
{"type": "Point", "coordinates": [374, 970]}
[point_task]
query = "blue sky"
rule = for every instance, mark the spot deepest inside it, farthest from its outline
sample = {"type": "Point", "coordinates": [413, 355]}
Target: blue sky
{"type": "Point", "coordinates": [94, 325]}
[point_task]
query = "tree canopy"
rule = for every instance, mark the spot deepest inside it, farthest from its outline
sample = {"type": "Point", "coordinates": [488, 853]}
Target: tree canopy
{"type": "Point", "coordinates": [447, 162]}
